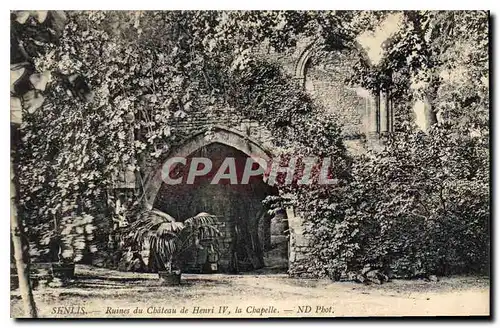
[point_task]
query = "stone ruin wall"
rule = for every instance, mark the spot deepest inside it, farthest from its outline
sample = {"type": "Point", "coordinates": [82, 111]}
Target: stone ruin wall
{"type": "Point", "coordinates": [323, 76]}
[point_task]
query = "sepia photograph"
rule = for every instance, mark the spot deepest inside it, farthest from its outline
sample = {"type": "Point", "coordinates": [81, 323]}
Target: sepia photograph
{"type": "Point", "coordinates": [250, 164]}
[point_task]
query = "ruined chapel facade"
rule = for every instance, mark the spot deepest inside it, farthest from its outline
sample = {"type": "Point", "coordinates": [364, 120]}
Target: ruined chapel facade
{"type": "Point", "coordinates": [257, 240]}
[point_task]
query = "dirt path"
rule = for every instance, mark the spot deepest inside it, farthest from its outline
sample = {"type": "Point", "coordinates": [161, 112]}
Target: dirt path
{"type": "Point", "coordinates": [104, 293]}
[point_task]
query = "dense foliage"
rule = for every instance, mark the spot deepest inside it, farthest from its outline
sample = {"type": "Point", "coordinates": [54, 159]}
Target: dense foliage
{"type": "Point", "coordinates": [421, 205]}
{"type": "Point", "coordinates": [135, 74]}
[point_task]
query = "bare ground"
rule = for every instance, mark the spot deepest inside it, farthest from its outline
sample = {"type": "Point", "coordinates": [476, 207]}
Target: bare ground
{"type": "Point", "coordinates": [106, 293]}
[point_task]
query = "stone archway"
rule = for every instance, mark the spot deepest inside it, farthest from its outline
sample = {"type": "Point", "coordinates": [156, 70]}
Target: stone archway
{"type": "Point", "coordinates": [301, 64]}
{"type": "Point", "coordinates": [199, 140]}
{"type": "Point", "coordinates": [240, 208]}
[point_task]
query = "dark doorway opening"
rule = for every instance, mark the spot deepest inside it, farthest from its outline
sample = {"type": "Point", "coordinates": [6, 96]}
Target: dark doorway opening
{"type": "Point", "coordinates": [251, 238]}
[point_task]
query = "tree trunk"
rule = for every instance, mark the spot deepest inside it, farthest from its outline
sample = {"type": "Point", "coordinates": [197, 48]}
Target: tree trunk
{"type": "Point", "coordinates": [22, 267]}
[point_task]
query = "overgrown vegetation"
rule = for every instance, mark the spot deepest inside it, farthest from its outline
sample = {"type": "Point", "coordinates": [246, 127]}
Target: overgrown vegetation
{"type": "Point", "coordinates": [419, 206]}
{"type": "Point", "coordinates": [136, 79]}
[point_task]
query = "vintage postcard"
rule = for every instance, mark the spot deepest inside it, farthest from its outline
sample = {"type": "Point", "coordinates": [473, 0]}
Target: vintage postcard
{"type": "Point", "coordinates": [249, 164]}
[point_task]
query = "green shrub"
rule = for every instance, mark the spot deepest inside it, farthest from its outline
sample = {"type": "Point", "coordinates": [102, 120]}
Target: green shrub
{"type": "Point", "coordinates": [421, 206]}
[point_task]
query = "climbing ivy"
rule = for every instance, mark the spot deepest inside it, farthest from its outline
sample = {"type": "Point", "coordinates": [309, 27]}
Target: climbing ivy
{"type": "Point", "coordinates": [120, 80]}
{"type": "Point", "coordinates": [407, 208]}
{"type": "Point", "coordinates": [419, 206]}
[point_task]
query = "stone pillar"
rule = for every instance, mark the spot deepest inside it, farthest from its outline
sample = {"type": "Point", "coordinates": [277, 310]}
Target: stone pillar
{"type": "Point", "coordinates": [299, 246]}
{"type": "Point", "coordinates": [430, 114]}
{"type": "Point", "coordinates": [278, 233]}
{"type": "Point", "coordinates": [425, 117]}
{"type": "Point", "coordinates": [372, 114]}
{"type": "Point", "coordinates": [390, 109]}
{"type": "Point", "coordinates": [369, 119]}
{"type": "Point", "coordinates": [383, 112]}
